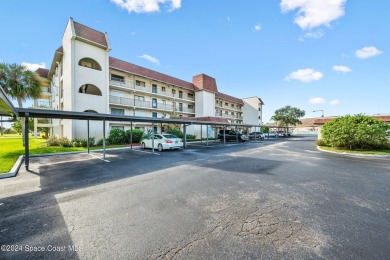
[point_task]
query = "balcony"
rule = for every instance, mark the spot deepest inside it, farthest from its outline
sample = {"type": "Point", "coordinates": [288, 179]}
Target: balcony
{"type": "Point", "coordinates": [45, 93]}
{"type": "Point", "coordinates": [146, 104]}
{"type": "Point", "coordinates": [239, 117]}
{"type": "Point", "coordinates": [147, 89]}
{"type": "Point", "coordinates": [228, 107]}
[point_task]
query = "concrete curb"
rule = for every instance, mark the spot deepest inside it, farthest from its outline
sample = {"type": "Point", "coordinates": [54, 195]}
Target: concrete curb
{"type": "Point", "coordinates": [15, 169]}
{"type": "Point", "coordinates": [383, 156]}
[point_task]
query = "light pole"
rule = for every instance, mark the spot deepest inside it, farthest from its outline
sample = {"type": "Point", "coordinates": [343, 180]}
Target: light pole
{"type": "Point", "coordinates": [322, 111]}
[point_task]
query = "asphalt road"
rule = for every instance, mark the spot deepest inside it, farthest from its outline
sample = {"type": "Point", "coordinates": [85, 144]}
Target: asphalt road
{"type": "Point", "coordinates": [275, 199]}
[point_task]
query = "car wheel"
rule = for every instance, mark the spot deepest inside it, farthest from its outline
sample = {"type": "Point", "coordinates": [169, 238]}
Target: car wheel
{"type": "Point", "coordinates": [143, 145]}
{"type": "Point", "coordinates": [160, 147]}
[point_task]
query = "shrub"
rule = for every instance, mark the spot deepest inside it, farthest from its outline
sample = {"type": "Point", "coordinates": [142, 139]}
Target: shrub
{"type": "Point", "coordinates": [117, 136]}
{"type": "Point", "coordinates": [52, 141]}
{"type": "Point", "coordinates": [359, 132]}
{"type": "Point", "coordinates": [190, 137]}
{"type": "Point", "coordinates": [64, 142]}
{"type": "Point", "coordinates": [175, 131]}
{"type": "Point", "coordinates": [91, 141]}
{"type": "Point", "coordinates": [100, 142]}
{"type": "Point", "coordinates": [320, 142]}
{"type": "Point", "coordinates": [137, 135]}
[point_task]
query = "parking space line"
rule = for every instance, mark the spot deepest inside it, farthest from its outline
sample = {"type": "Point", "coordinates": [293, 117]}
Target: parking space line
{"type": "Point", "coordinates": [146, 152]}
{"type": "Point", "coordinates": [98, 157]}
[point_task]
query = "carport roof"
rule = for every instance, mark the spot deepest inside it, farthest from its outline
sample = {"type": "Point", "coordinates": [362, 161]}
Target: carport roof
{"type": "Point", "coordinates": [6, 107]}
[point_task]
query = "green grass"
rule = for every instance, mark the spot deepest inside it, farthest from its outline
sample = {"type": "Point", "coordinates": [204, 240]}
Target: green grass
{"type": "Point", "coordinates": [334, 149]}
{"type": "Point", "coordinates": [11, 148]}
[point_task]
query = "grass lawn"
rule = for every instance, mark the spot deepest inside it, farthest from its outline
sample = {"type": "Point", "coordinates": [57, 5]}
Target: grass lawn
{"type": "Point", "coordinates": [11, 148]}
{"type": "Point", "coordinates": [334, 149]}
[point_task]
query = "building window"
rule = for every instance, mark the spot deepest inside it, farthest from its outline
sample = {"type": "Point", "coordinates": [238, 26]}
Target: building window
{"type": "Point", "coordinates": [140, 83]}
{"type": "Point", "coordinates": [226, 104]}
{"type": "Point", "coordinates": [154, 88]}
{"type": "Point", "coordinates": [90, 63]}
{"type": "Point", "coordinates": [260, 109]}
{"type": "Point", "coordinates": [140, 98]}
{"type": "Point", "coordinates": [226, 113]}
{"type": "Point", "coordinates": [117, 78]}
{"type": "Point", "coordinates": [154, 102]}
{"type": "Point", "coordinates": [180, 94]}
{"type": "Point", "coordinates": [163, 89]}
{"type": "Point", "coordinates": [116, 111]}
{"type": "Point", "coordinates": [190, 95]}
{"type": "Point", "coordinates": [90, 89]}
{"type": "Point", "coordinates": [173, 91]}
{"type": "Point", "coordinates": [118, 127]}
{"type": "Point", "coordinates": [180, 106]}
{"type": "Point", "coordinates": [232, 105]}
{"type": "Point", "coordinates": [154, 114]}
{"type": "Point", "coordinates": [259, 117]}
{"type": "Point", "coordinates": [192, 107]}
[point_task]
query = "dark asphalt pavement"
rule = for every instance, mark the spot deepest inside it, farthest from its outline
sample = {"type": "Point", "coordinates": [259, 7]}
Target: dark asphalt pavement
{"type": "Point", "coordinates": [272, 199]}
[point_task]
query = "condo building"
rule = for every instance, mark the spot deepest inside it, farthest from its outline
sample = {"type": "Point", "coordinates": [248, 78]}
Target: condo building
{"type": "Point", "coordinates": [84, 78]}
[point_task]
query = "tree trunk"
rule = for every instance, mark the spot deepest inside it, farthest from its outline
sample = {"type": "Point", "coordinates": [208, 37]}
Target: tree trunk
{"type": "Point", "coordinates": [20, 104]}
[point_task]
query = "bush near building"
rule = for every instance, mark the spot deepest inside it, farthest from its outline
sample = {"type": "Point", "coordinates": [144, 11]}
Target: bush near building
{"type": "Point", "coordinates": [117, 136]}
{"type": "Point", "coordinates": [175, 131]}
{"type": "Point", "coordinates": [358, 132]}
{"type": "Point", "coordinates": [136, 135]}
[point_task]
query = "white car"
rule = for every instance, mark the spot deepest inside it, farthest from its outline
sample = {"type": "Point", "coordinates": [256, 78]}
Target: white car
{"type": "Point", "coordinates": [163, 142]}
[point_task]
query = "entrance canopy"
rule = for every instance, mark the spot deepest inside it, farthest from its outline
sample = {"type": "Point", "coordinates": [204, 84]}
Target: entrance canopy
{"type": "Point", "coordinates": [6, 107]}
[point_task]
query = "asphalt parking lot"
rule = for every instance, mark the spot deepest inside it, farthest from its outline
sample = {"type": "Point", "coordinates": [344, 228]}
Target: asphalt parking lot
{"type": "Point", "coordinates": [272, 199]}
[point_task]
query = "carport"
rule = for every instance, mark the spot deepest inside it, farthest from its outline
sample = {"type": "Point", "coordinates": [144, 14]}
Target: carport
{"type": "Point", "coordinates": [7, 109]}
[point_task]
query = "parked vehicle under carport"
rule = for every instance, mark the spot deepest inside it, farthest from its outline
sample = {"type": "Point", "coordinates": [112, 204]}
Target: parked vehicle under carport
{"type": "Point", "coordinates": [163, 142]}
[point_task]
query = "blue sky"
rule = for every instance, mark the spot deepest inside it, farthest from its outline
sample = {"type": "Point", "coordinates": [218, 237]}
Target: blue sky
{"type": "Point", "coordinates": [329, 55]}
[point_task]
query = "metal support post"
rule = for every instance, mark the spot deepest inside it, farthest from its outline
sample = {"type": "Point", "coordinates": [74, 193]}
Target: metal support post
{"type": "Point", "coordinates": [185, 136]}
{"type": "Point", "coordinates": [104, 139]}
{"type": "Point", "coordinates": [236, 135]}
{"type": "Point", "coordinates": [131, 135]}
{"type": "Point", "coordinates": [88, 135]}
{"type": "Point", "coordinates": [201, 133]}
{"type": "Point", "coordinates": [224, 135]}
{"type": "Point", "coordinates": [207, 135]}
{"type": "Point", "coordinates": [255, 133]}
{"type": "Point", "coordinates": [26, 146]}
{"type": "Point", "coordinates": [152, 137]}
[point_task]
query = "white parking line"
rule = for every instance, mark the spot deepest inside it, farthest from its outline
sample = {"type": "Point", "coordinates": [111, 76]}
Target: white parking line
{"type": "Point", "coordinates": [98, 157]}
{"type": "Point", "coordinates": [146, 152]}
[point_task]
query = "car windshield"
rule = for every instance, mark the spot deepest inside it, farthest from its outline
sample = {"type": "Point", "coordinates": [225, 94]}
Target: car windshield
{"type": "Point", "coordinates": [170, 136]}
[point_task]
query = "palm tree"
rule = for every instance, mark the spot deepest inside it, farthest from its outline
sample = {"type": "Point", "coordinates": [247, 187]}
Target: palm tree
{"type": "Point", "coordinates": [19, 83]}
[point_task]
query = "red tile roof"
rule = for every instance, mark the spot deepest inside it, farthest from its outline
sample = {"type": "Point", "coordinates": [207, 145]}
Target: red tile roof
{"type": "Point", "coordinates": [204, 82]}
{"type": "Point", "coordinates": [229, 98]}
{"type": "Point", "coordinates": [90, 34]}
{"type": "Point", "coordinates": [138, 70]}
{"type": "Point", "coordinates": [42, 72]}
{"type": "Point", "coordinates": [209, 119]}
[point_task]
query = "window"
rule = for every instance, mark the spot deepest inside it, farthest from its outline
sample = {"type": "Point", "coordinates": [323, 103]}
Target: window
{"type": "Point", "coordinates": [154, 88]}
{"type": "Point", "coordinates": [260, 109]}
{"type": "Point", "coordinates": [226, 104]}
{"type": "Point", "coordinates": [140, 83]}
{"type": "Point", "coordinates": [154, 114]}
{"type": "Point", "coordinates": [163, 89]}
{"type": "Point", "coordinates": [220, 103]}
{"type": "Point", "coordinates": [90, 63]}
{"type": "Point", "coordinates": [154, 102]}
{"type": "Point", "coordinates": [164, 102]}
{"type": "Point", "coordinates": [232, 105]}
{"type": "Point", "coordinates": [192, 107]}
{"type": "Point", "coordinates": [118, 127]}
{"type": "Point", "coordinates": [190, 95]}
{"type": "Point", "coordinates": [117, 78]}
{"type": "Point", "coordinates": [116, 111]}
{"type": "Point", "coordinates": [259, 117]}
{"type": "Point", "coordinates": [226, 112]}
{"type": "Point", "coordinates": [180, 94]}
{"type": "Point", "coordinates": [139, 98]}
{"type": "Point", "coordinates": [232, 113]}
{"type": "Point", "coordinates": [173, 91]}
{"type": "Point", "coordinates": [90, 89]}
{"type": "Point", "coordinates": [180, 106]}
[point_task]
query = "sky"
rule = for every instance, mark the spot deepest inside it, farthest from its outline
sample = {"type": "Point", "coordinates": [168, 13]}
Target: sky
{"type": "Point", "coordinates": [329, 55]}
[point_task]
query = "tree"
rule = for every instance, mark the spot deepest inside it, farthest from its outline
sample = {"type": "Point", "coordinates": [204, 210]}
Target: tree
{"type": "Point", "coordinates": [359, 132]}
{"type": "Point", "coordinates": [288, 116]}
{"type": "Point", "coordinates": [19, 83]}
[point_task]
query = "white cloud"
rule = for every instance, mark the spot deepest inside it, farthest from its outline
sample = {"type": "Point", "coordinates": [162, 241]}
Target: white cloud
{"type": "Point", "coordinates": [314, 13]}
{"type": "Point", "coordinates": [368, 52]}
{"type": "Point", "coordinates": [33, 66]}
{"type": "Point", "coordinates": [335, 102]}
{"type": "Point", "coordinates": [257, 27]}
{"type": "Point", "coordinates": [150, 58]}
{"type": "Point", "coordinates": [314, 35]}
{"type": "Point", "coordinates": [305, 75]}
{"type": "Point", "coordinates": [147, 6]}
{"type": "Point", "coordinates": [342, 69]}
{"type": "Point", "coordinates": [317, 100]}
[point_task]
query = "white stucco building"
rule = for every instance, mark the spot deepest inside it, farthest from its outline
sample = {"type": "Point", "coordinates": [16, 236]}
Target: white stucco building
{"type": "Point", "coordinates": [84, 78]}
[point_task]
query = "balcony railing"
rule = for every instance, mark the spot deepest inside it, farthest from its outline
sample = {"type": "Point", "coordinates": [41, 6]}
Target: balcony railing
{"type": "Point", "coordinates": [146, 104]}
{"type": "Point", "coordinates": [228, 116]}
{"type": "Point", "coordinates": [147, 88]}
{"type": "Point", "coordinates": [228, 107]}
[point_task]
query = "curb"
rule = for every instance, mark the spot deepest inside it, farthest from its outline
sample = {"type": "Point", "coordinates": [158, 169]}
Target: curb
{"type": "Point", "coordinates": [15, 169]}
{"type": "Point", "coordinates": [383, 156]}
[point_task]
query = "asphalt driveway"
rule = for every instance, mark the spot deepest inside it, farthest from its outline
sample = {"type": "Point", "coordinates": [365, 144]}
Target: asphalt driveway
{"type": "Point", "coordinates": [272, 199]}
